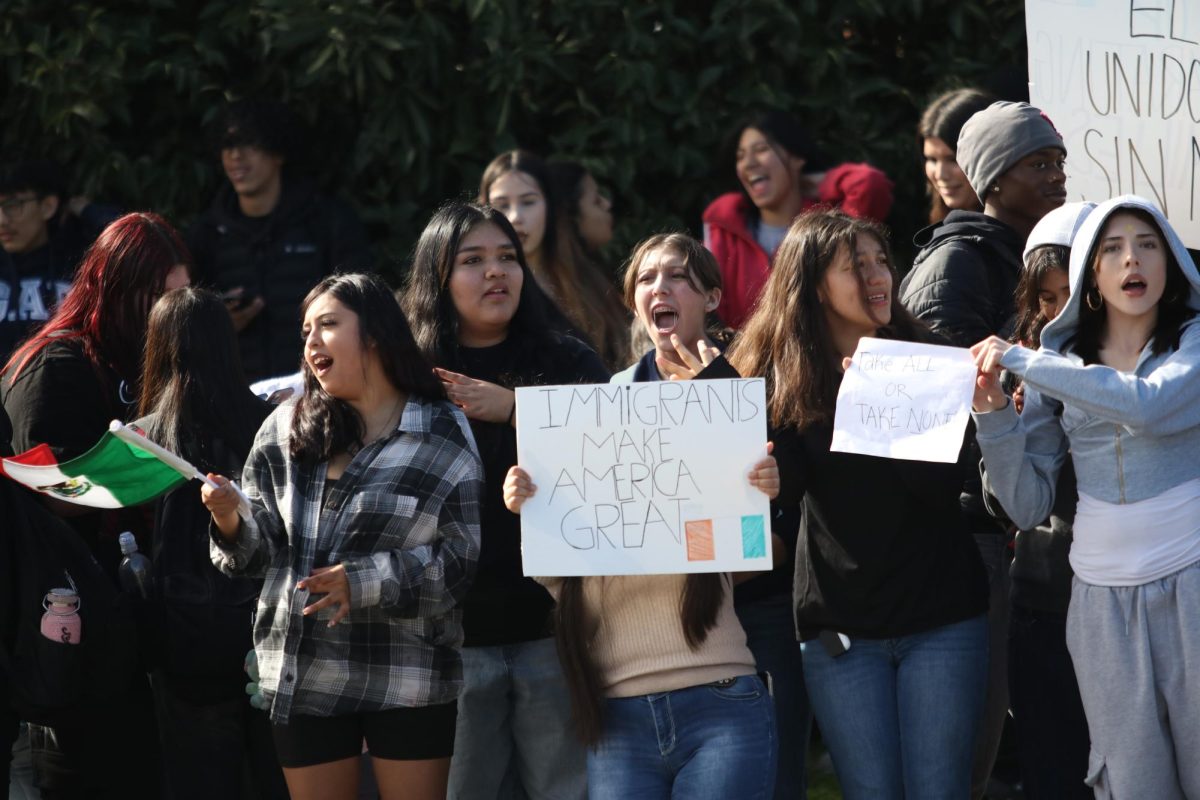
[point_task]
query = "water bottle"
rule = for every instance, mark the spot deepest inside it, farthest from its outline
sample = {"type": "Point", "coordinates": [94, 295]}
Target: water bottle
{"type": "Point", "coordinates": [61, 622]}
{"type": "Point", "coordinates": [134, 571]}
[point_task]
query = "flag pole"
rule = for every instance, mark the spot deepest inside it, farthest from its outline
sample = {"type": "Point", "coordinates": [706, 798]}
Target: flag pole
{"type": "Point", "coordinates": [180, 465]}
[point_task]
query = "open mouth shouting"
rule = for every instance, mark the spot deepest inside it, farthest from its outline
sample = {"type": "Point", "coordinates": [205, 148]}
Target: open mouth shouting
{"type": "Point", "coordinates": [1134, 286]}
{"type": "Point", "coordinates": [665, 318]}
{"type": "Point", "coordinates": [321, 364]}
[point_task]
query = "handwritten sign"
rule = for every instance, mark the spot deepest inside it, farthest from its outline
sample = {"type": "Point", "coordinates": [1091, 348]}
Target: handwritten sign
{"type": "Point", "coordinates": [904, 400]}
{"type": "Point", "coordinates": [1121, 81]}
{"type": "Point", "coordinates": [643, 478]}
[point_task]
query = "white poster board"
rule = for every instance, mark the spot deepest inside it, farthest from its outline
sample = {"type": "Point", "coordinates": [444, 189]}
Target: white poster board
{"type": "Point", "coordinates": [643, 478]}
{"type": "Point", "coordinates": [1120, 79]}
{"type": "Point", "coordinates": [904, 400]}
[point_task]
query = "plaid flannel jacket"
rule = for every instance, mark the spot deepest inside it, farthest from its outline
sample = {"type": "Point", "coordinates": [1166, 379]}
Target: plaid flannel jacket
{"type": "Point", "coordinates": [404, 521]}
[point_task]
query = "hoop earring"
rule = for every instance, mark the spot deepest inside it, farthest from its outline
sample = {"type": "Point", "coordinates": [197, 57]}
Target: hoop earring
{"type": "Point", "coordinates": [1096, 306]}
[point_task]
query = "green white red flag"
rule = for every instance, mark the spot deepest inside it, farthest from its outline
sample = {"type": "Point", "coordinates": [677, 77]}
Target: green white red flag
{"type": "Point", "coordinates": [123, 469]}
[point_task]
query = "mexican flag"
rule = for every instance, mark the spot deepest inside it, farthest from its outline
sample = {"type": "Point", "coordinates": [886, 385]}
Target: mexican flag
{"type": "Point", "coordinates": [117, 472]}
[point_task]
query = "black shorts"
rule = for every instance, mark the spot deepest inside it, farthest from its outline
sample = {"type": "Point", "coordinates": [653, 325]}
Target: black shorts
{"type": "Point", "coordinates": [401, 734]}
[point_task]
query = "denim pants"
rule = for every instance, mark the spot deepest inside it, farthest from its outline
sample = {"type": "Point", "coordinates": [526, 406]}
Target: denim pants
{"type": "Point", "coordinates": [771, 637]}
{"type": "Point", "coordinates": [900, 715]}
{"type": "Point", "coordinates": [514, 736]}
{"type": "Point", "coordinates": [713, 741]}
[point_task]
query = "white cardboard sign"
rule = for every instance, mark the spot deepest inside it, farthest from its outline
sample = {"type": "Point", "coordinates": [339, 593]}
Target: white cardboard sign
{"type": "Point", "coordinates": [904, 400]}
{"type": "Point", "coordinates": [1120, 79]}
{"type": "Point", "coordinates": [643, 478]}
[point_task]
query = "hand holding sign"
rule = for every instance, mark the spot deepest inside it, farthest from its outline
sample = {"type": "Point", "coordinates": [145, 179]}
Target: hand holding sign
{"type": "Point", "coordinates": [643, 479]}
{"type": "Point", "coordinates": [904, 400]}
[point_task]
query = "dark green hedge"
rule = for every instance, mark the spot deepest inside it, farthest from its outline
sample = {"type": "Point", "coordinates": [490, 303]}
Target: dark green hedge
{"type": "Point", "coordinates": [408, 101]}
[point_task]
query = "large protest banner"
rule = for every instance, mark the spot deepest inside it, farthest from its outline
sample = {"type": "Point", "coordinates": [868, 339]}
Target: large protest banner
{"type": "Point", "coordinates": [1120, 79]}
{"type": "Point", "coordinates": [643, 478]}
{"type": "Point", "coordinates": [904, 400]}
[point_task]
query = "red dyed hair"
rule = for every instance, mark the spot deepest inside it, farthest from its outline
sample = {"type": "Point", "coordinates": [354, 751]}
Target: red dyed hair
{"type": "Point", "coordinates": [106, 309]}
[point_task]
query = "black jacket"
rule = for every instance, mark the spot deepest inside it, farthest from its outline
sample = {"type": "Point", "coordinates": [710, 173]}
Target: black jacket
{"type": "Point", "coordinates": [279, 258]}
{"type": "Point", "coordinates": [33, 283]}
{"type": "Point", "coordinates": [962, 285]}
{"type": "Point", "coordinates": [962, 282]}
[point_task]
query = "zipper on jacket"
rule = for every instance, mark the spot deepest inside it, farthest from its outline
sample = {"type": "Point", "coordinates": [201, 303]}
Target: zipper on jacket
{"type": "Point", "coordinates": [1120, 464]}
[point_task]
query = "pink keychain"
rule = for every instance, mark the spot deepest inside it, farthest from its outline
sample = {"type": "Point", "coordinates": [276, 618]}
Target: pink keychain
{"type": "Point", "coordinates": [61, 622]}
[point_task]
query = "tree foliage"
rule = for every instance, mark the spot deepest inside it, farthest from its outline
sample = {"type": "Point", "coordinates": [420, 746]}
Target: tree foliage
{"type": "Point", "coordinates": [406, 101]}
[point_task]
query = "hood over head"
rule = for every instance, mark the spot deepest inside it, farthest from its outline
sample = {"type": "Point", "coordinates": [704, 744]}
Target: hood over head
{"type": "Point", "coordinates": [1062, 328]}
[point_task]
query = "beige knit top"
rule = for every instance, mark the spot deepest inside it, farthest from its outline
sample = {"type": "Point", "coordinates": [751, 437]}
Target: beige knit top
{"type": "Point", "coordinates": [639, 647]}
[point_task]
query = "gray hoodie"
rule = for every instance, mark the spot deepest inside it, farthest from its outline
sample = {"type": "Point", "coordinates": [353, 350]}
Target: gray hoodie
{"type": "Point", "coordinates": [1131, 436]}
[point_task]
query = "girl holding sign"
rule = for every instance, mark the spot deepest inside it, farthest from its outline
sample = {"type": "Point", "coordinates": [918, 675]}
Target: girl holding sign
{"type": "Point", "coordinates": [477, 314]}
{"type": "Point", "coordinates": [890, 592]}
{"type": "Point", "coordinates": [671, 283]}
{"type": "Point", "coordinates": [1114, 386]}
{"type": "Point", "coordinates": [663, 687]}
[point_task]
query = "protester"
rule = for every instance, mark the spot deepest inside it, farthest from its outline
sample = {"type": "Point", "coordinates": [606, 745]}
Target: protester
{"type": "Point", "coordinates": [476, 314]}
{"type": "Point", "coordinates": [937, 136]}
{"type": "Point", "coordinates": [62, 387]}
{"type": "Point", "coordinates": [962, 284]}
{"type": "Point", "coordinates": [519, 185]}
{"type": "Point", "coordinates": [585, 224]}
{"type": "Point", "coordinates": [43, 234]}
{"type": "Point", "coordinates": [781, 173]}
{"type": "Point", "coordinates": [890, 593]}
{"type": "Point", "coordinates": [363, 490]}
{"type": "Point", "coordinates": [195, 403]}
{"type": "Point", "coordinates": [654, 659]}
{"type": "Point", "coordinates": [270, 235]}
{"type": "Point", "coordinates": [672, 283]}
{"type": "Point", "coordinates": [580, 201]}
{"type": "Point", "coordinates": [1052, 738]}
{"type": "Point", "coordinates": [1113, 386]}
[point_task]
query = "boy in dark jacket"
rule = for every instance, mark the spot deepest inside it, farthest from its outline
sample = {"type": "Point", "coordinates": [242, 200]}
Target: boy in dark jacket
{"type": "Point", "coordinates": [270, 236]}
{"type": "Point", "coordinates": [42, 237]}
{"type": "Point", "coordinates": [962, 284]}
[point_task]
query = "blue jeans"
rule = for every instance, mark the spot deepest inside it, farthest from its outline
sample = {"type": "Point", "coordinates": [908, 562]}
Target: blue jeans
{"type": "Point", "coordinates": [771, 637]}
{"type": "Point", "coordinates": [900, 715]}
{"type": "Point", "coordinates": [514, 737]}
{"type": "Point", "coordinates": [711, 741]}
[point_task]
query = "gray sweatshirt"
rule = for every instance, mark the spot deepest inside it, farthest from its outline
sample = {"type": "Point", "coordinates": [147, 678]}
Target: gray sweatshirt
{"type": "Point", "coordinates": [1131, 435]}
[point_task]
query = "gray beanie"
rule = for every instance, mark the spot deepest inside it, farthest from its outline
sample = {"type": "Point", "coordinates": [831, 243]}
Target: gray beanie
{"type": "Point", "coordinates": [1002, 134]}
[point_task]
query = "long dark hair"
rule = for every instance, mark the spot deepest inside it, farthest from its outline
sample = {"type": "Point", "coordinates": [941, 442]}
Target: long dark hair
{"type": "Point", "coordinates": [324, 425]}
{"type": "Point", "coordinates": [430, 308]}
{"type": "Point", "coordinates": [1030, 320]}
{"type": "Point", "coordinates": [105, 310]}
{"type": "Point", "coordinates": [1173, 308]}
{"type": "Point", "coordinates": [604, 320]}
{"type": "Point", "coordinates": [192, 378]}
{"type": "Point", "coordinates": [943, 119]}
{"type": "Point", "coordinates": [573, 281]}
{"type": "Point", "coordinates": [787, 341]}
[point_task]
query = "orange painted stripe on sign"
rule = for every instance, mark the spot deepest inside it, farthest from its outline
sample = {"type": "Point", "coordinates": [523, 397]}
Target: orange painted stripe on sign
{"type": "Point", "coordinates": [700, 540]}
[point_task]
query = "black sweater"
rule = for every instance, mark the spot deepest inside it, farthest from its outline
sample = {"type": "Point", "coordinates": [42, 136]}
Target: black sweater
{"type": "Point", "coordinates": [884, 549]}
{"type": "Point", "coordinates": [503, 606]}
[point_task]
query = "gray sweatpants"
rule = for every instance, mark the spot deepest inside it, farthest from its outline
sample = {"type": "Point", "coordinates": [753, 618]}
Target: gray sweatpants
{"type": "Point", "coordinates": [1136, 652]}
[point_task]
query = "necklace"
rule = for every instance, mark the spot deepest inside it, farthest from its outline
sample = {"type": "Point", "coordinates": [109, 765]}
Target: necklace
{"type": "Point", "coordinates": [392, 420]}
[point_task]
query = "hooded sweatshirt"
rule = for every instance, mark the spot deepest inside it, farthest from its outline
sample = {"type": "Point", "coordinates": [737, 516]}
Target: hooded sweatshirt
{"type": "Point", "coordinates": [1132, 436]}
